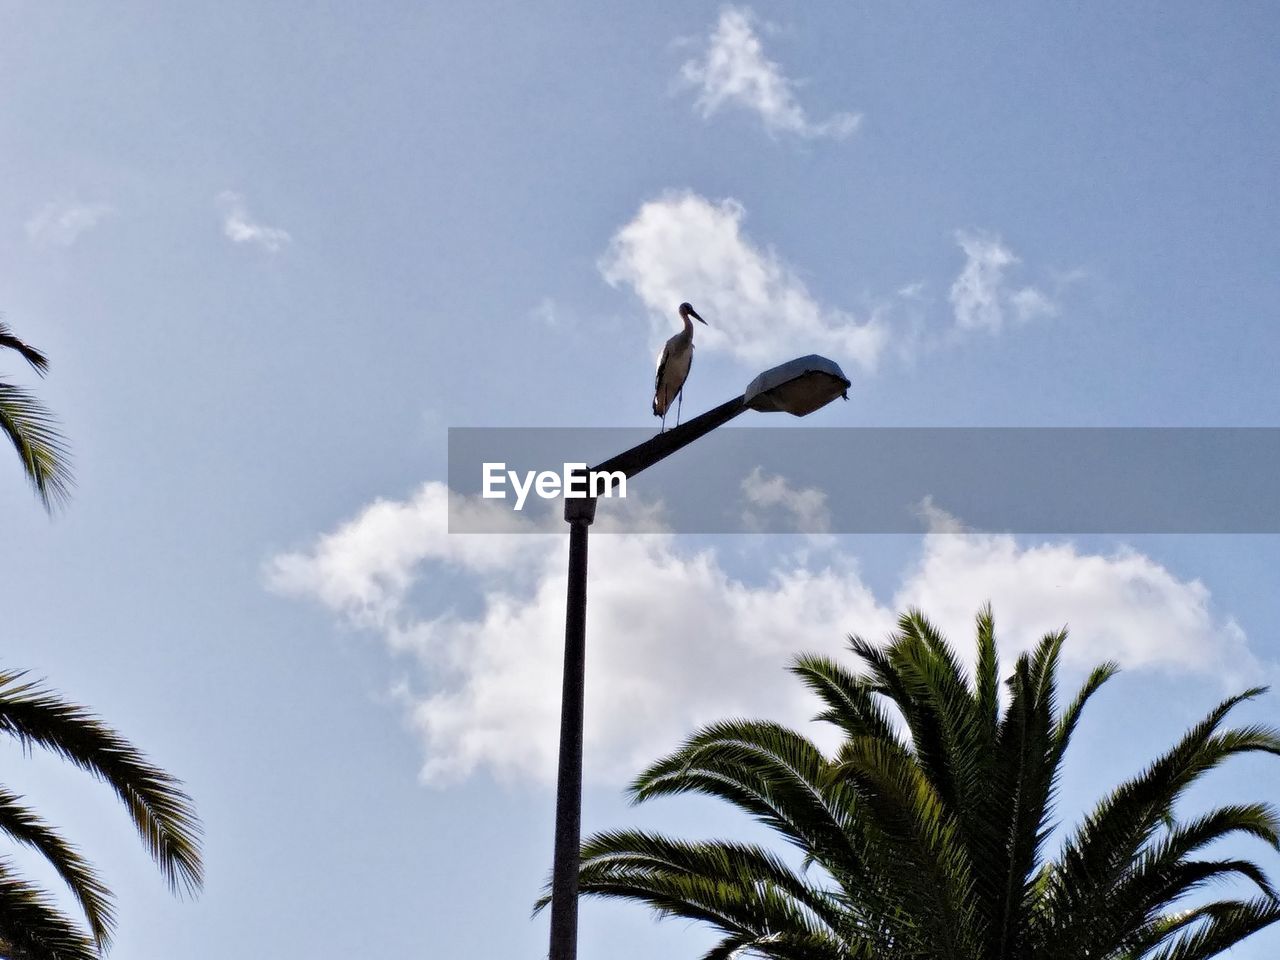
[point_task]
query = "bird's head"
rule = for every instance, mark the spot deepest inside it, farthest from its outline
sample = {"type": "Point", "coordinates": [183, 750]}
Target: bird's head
{"type": "Point", "coordinates": [687, 311]}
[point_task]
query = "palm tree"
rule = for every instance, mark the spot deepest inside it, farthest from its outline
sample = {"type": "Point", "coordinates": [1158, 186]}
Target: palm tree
{"type": "Point", "coordinates": [32, 927]}
{"type": "Point", "coordinates": [33, 430]}
{"type": "Point", "coordinates": [924, 837]}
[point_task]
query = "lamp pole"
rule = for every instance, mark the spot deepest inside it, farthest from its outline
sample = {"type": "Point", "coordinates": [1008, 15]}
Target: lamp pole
{"type": "Point", "coordinates": [798, 387]}
{"type": "Point", "coordinates": [564, 870]}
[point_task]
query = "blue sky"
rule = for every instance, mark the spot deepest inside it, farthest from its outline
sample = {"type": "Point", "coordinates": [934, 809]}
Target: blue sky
{"type": "Point", "coordinates": [275, 254]}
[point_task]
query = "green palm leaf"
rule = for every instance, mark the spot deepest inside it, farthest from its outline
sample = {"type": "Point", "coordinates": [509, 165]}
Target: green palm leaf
{"type": "Point", "coordinates": [161, 812]}
{"type": "Point", "coordinates": [770, 771]}
{"type": "Point", "coordinates": [32, 429]}
{"type": "Point", "coordinates": [9, 341]}
{"type": "Point", "coordinates": [90, 892]}
{"type": "Point", "coordinates": [1226, 924]}
{"type": "Point", "coordinates": [32, 928]}
{"type": "Point", "coordinates": [34, 433]}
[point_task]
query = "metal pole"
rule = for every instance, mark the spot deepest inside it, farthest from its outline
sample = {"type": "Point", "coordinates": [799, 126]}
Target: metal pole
{"type": "Point", "coordinates": [645, 455]}
{"type": "Point", "coordinates": [564, 870]}
{"type": "Point", "coordinates": [580, 512]}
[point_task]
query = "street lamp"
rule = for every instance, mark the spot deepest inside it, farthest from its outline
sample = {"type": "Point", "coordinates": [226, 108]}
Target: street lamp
{"type": "Point", "coordinates": [798, 387]}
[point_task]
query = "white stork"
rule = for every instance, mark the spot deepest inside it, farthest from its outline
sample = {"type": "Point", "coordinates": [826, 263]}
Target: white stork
{"type": "Point", "coordinates": [673, 367]}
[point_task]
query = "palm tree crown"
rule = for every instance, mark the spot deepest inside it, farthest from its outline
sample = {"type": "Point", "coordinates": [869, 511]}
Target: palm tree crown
{"type": "Point", "coordinates": [33, 430]}
{"type": "Point", "coordinates": [924, 836]}
{"type": "Point", "coordinates": [31, 925]}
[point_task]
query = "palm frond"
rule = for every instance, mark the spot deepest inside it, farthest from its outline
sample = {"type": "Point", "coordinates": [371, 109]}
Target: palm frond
{"type": "Point", "coordinates": [919, 855]}
{"type": "Point", "coordinates": [1163, 927]}
{"type": "Point", "coordinates": [76, 872]}
{"type": "Point", "coordinates": [888, 682]}
{"type": "Point", "coordinates": [949, 742]}
{"type": "Point", "coordinates": [930, 834]}
{"type": "Point", "coordinates": [161, 812]}
{"type": "Point", "coordinates": [849, 699]}
{"type": "Point", "coordinates": [1131, 814]}
{"type": "Point", "coordinates": [789, 947]}
{"type": "Point", "coordinates": [769, 771]}
{"type": "Point", "coordinates": [38, 361]}
{"type": "Point", "coordinates": [1017, 814]}
{"type": "Point", "coordinates": [34, 433]}
{"type": "Point", "coordinates": [1225, 924]}
{"type": "Point", "coordinates": [1067, 723]}
{"type": "Point", "coordinates": [986, 677]}
{"type": "Point", "coordinates": [744, 891]}
{"type": "Point", "coordinates": [1100, 857]}
{"type": "Point", "coordinates": [32, 928]}
{"type": "Point", "coordinates": [608, 855]}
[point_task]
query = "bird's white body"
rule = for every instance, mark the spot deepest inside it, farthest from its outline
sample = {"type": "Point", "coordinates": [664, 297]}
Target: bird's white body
{"type": "Point", "coordinates": [673, 370]}
{"type": "Point", "coordinates": [673, 365]}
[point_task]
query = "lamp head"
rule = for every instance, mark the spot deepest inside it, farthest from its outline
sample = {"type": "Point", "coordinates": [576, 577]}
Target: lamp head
{"type": "Point", "coordinates": [798, 387]}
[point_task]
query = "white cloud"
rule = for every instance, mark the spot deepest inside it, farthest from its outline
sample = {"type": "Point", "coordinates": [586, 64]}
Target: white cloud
{"type": "Point", "coordinates": [239, 227]}
{"type": "Point", "coordinates": [491, 679]}
{"type": "Point", "coordinates": [804, 507]}
{"type": "Point", "coordinates": [1031, 304]}
{"type": "Point", "coordinates": [937, 520]}
{"type": "Point", "coordinates": [683, 246]}
{"type": "Point", "coordinates": [1120, 606]}
{"type": "Point", "coordinates": [980, 296]}
{"type": "Point", "coordinates": [61, 224]}
{"type": "Point", "coordinates": [676, 640]}
{"type": "Point", "coordinates": [365, 568]}
{"type": "Point", "coordinates": [734, 70]}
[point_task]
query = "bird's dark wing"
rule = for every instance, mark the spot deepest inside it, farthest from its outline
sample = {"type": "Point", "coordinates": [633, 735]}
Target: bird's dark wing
{"type": "Point", "coordinates": [657, 379]}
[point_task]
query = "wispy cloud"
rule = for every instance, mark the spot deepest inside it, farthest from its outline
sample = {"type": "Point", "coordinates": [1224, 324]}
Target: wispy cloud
{"type": "Point", "coordinates": [735, 71]}
{"type": "Point", "coordinates": [805, 508]}
{"type": "Point", "coordinates": [683, 246]}
{"type": "Point", "coordinates": [239, 227]}
{"type": "Point", "coordinates": [678, 640]}
{"type": "Point", "coordinates": [547, 313]}
{"type": "Point", "coordinates": [980, 295]}
{"type": "Point", "coordinates": [61, 224]}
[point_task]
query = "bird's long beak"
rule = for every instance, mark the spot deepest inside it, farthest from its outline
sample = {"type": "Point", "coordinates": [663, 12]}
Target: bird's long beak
{"type": "Point", "coordinates": [694, 314]}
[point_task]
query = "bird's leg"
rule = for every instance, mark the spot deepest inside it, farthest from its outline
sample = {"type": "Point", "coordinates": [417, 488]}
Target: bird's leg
{"type": "Point", "coordinates": [679, 403]}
